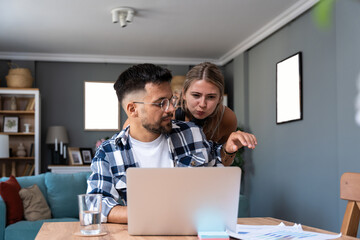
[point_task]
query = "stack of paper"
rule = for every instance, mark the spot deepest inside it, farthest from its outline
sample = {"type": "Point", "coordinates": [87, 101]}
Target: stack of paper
{"type": "Point", "coordinates": [277, 232]}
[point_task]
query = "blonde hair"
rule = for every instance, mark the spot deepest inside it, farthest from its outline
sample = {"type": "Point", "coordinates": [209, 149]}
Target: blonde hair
{"type": "Point", "coordinates": [211, 73]}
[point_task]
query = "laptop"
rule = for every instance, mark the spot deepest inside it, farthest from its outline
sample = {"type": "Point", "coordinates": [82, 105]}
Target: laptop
{"type": "Point", "coordinates": [182, 201]}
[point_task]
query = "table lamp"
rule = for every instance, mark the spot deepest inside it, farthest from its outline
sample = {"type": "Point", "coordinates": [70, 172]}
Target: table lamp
{"type": "Point", "coordinates": [57, 139]}
{"type": "Point", "coordinates": [4, 151]}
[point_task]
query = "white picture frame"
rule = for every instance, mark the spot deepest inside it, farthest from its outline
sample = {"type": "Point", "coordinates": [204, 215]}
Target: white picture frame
{"type": "Point", "coordinates": [11, 124]}
{"type": "Point", "coordinates": [289, 89]}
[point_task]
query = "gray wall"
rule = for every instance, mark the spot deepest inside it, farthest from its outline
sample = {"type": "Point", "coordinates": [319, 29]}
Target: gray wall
{"type": "Point", "coordinates": [295, 170]}
{"type": "Point", "coordinates": [228, 72]}
{"type": "Point", "coordinates": [348, 73]}
{"type": "Point", "coordinates": [240, 93]}
{"type": "Point", "coordinates": [62, 101]}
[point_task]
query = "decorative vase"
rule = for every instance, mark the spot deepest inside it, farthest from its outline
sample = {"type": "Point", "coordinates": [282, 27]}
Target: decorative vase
{"type": "Point", "coordinates": [13, 106]}
{"type": "Point", "coordinates": [21, 150]}
{"type": "Point", "coordinates": [27, 127]}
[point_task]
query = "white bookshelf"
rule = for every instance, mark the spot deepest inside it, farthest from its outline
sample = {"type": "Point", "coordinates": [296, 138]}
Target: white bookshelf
{"type": "Point", "coordinates": [17, 165]}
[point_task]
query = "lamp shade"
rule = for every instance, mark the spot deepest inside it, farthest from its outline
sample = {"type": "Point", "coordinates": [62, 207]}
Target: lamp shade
{"type": "Point", "coordinates": [4, 146]}
{"type": "Point", "coordinates": [56, 132]}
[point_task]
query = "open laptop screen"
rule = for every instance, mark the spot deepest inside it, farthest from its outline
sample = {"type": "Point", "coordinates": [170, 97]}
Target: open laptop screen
{"type": "Point", "coordinates": [182, 201]}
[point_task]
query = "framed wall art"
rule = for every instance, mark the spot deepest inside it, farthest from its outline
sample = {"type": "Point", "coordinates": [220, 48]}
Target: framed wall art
{"type": "Point", "coordinates": [289, 89]}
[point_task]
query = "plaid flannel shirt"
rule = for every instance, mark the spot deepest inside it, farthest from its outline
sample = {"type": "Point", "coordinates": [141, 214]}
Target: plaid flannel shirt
{"type": "Point", "coordinates": [188, 147]}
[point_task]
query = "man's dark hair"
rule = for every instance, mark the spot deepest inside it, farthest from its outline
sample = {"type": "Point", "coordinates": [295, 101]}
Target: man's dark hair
{"type": "Point", "coordinates": [136, 77]}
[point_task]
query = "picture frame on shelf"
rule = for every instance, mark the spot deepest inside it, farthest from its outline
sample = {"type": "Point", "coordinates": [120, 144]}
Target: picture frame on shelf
{"type": "Point", "coordinates": [86, 154]}
{"type": "Point", "coordinates": [75, 156]}
{"type": "Point", "coordinates": [11, 124]}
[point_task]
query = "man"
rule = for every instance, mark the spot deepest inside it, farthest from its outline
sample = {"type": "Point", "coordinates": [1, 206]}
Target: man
{"type": "Point", "coordinates": [152, 138]}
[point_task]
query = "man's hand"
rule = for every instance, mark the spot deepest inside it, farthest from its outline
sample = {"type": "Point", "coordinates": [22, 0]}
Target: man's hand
{"type": "Point", "coordinates": [238, 140]}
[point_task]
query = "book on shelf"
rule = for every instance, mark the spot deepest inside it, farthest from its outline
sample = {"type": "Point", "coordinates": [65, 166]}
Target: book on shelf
{"type": "Point", "coordinates": [26, 169]}
{"type": "Point", "coordinates": [29, 169]}
{"type": "Point", "coordinates": [31, 105]}
{"type": "Point", "coordinates": [31, 172]}
{"type": "Point", "coordinates": [31, 151]}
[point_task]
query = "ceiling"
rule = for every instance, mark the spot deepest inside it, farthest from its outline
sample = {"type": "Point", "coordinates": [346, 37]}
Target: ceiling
{"type": "Point", "coordinates": [163, 31]}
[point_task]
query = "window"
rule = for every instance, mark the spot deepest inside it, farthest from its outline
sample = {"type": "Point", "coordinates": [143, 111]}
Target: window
{"type": "Point", "coordinates": [102, 110]}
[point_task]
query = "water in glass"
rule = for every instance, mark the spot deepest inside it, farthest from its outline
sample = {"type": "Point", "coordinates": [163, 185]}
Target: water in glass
{"type": "Point", "coordinates": [90, 214]}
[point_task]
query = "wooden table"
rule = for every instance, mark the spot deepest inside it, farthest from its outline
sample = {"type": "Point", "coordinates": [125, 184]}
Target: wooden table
{"type": "Point", "coordinates": [65, 230]}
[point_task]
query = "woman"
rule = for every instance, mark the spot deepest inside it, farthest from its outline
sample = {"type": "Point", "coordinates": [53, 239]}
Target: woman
{"type": "Point", "coordinates": [201, 102]}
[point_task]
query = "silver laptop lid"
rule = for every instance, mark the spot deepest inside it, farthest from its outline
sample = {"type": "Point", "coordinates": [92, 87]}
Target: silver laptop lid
{"type": "Point", "coordinates": [182, 201]}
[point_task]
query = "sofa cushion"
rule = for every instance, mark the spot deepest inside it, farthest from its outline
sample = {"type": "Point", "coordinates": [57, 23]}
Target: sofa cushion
{"type": "Point", "coordinates": [62, 190]}
{"type": "Point", "coordinates": [35, 206]}
{"type": "Point", "coordinates": [9, 191]}
{"type": "Point", "coordinates": [27, 230]}
{"type": "Point", "coordinates": [28, 181]}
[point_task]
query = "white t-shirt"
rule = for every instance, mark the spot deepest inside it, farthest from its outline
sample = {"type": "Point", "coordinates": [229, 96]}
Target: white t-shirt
{"type": "Point", "coordinates": [153, 154]}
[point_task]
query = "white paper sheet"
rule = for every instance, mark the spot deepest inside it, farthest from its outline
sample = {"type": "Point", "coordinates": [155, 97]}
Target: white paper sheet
{"type": "Point", "coordinates": [277, 232]}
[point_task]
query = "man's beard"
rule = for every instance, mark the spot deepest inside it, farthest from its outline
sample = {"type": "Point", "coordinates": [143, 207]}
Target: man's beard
{"type": "Point", "coordinates": [157, 127]}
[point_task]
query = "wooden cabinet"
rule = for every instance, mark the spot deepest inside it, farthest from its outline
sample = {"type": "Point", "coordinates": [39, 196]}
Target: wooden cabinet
{"type": "Point", "coordinates": [27, 112]}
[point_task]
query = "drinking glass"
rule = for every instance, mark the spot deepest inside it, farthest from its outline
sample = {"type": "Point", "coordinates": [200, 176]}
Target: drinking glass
{"type": "Point", "coordinates": [90, 213]}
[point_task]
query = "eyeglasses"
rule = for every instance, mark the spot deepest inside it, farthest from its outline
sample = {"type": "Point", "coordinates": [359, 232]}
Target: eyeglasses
{"type": "Point", "coordinates": [165, 103]}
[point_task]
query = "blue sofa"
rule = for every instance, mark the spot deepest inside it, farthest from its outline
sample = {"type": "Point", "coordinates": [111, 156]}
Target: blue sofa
{"type": "Point", "coordinates": [60, 192]}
